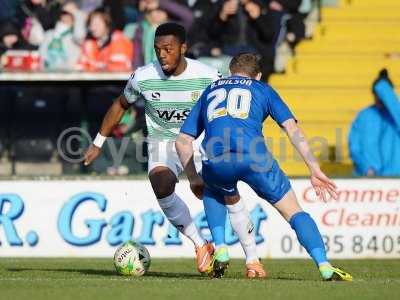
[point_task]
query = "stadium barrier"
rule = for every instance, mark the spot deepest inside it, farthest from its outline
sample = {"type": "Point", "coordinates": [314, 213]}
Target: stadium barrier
{"type": "Point", "coordinates": [89, 218]}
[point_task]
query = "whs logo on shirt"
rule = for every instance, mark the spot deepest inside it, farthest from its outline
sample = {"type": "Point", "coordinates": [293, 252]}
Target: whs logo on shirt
{"type": "Point", "coordinates": [173, 115]}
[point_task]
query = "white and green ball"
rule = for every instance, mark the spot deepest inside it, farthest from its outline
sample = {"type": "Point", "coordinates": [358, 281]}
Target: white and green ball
{"type": "Point", "coordinates": [132, 259]}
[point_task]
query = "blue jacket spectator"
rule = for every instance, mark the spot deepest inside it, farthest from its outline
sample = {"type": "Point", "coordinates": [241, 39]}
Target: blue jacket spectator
{"type": "Point", "coordinates": [374, 139]}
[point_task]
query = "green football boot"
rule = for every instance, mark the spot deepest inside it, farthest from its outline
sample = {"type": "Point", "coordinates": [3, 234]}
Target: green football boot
{"type": "Point", "coordinates": [220, 263]}
{"type": "Point", "coordinates": [331, 273]}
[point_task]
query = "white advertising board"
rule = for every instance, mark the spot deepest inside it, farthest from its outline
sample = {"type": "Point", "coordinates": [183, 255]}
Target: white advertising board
{"type": "Point", "coordinates": [91, 218]}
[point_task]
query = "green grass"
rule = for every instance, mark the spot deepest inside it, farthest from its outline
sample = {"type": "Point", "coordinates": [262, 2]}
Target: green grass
{"type": "Point", "coordinates": [177, 279]}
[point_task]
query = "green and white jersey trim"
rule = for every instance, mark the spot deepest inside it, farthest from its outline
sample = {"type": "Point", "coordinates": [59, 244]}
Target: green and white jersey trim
{"type": "Point", "coordinates": [182, 85]}
{"type": "Point", "coordinates": [168, 100]}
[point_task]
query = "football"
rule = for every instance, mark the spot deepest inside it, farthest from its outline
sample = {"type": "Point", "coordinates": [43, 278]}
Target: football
{"type": "Point", "coordinates": [132, 259]}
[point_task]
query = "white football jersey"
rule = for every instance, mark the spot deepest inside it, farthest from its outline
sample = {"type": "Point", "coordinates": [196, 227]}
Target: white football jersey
{"type": "Point", "coordinates": [168, 100]}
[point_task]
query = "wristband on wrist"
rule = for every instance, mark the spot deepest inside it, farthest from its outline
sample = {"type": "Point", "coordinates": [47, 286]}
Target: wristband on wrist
{"type": "Point", "coordinates": [99, 140]}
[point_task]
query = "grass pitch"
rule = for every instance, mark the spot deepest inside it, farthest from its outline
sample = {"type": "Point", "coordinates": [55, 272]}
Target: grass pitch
{"type": "Point", "coordinates": [177, 279]}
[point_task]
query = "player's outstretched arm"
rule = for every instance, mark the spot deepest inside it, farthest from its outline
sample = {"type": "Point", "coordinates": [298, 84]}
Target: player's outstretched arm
{"type": "Point", "coordinates": [319, 180]}
{"type": "Point", "coordinates": [111, 119]}
{"type": "Point", "coordinates": [184, 147]}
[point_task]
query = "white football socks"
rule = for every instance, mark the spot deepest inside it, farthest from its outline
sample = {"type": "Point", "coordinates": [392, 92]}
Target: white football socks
{"type": "Point", "coordinates": [178, 214]}
{"type": "Point", "coordinates": [243, 227]}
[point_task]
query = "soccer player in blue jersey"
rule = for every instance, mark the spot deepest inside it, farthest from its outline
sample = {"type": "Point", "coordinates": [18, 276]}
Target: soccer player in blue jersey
{"type": "Point", "coordinates": [231, 112]}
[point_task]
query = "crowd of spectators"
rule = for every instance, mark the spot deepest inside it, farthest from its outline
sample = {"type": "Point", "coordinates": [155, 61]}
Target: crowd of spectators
{"type": "Point", "coordinates": [117, 35]}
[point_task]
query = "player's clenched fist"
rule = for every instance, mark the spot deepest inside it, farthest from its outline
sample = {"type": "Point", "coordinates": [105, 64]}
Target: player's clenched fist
{"type": "Point", "coordinates": [91, 154]}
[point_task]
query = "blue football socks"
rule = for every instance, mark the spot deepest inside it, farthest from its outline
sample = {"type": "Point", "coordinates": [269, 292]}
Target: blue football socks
{"type": "Point", "coordinates": [309, 236]}
{"type": "Point", "coordinates": [215, 209]}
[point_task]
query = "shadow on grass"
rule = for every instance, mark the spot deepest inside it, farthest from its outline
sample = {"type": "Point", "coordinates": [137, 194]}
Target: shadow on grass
{"type": "Point", "coordinates": [111, 273]}
{"type": "Point", "coordinates": [151, 274]}
{"type": "Point", "coordinates": [176, 275]}
{"type": "Point", "coordinates": [289, 278]}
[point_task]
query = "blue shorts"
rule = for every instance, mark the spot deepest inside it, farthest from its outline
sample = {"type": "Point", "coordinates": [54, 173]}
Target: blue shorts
{"type": "Point", "coordinates": [264, 176]}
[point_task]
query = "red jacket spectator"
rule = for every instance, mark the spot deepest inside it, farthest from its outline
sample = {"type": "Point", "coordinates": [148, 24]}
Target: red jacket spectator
{"type": "Point", "coordinates": [103, 50]}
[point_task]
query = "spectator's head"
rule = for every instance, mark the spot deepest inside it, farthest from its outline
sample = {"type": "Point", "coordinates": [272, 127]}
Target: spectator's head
{"type": "Point", "coordinates": [9, 35]}
{"type": "Point", "coordinates": [70, 6]}
{"type": "Point", "coordinates": [66, 18]}
{"type": "Point", "coordinates": [383, 75]}
{"type": "Point", "coordinates": [152, 12]}
{"type": "Point", "coordinates": [156, 17]}
{"type": "Point", "coordinates": [246, 64]}
{"type": "Point", "coordinates": [99, 24]}
{"type": "Point", "coordinates": [148, 5]}
{"type": "Point", "coordinates": [170, 46]}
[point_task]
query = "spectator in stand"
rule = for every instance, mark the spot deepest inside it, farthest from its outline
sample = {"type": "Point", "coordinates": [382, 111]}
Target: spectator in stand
{"type": "Point", "coordinates": [287, 12]}
{"type": "Point", "coordinates": [374, 139]}
{"type": "Point", "coordinates": [37, 16]}
{"type": "Point", "coordinates": [121, 11]}
{"type": "Point", "coordinates": [11, 39]}
{"type": "Point", "coordinates": [105, 49]}
{"type": "Point", "coordinates": [244, 25]}
{"type": "Point", "coordinates": [61, 48]}
{"type": "Point", "coordinates": [80, 18]}
{"type": "Point", "coordinates": [155, 13]}
{"type": "Point", "coordinates": [199, 41]}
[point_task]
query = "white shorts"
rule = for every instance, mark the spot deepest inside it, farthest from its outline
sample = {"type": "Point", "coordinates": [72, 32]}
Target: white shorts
{"type": "Point", "coordinates": [163, 154]}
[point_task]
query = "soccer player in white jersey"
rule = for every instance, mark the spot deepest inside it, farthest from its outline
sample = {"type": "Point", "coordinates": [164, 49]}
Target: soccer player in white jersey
{"type": "Point", "coordinates": [170, 87]}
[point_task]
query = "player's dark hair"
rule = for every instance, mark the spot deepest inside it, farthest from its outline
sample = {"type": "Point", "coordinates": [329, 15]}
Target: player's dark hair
{"type": "Point", "coordinates": [172, 29]}
{"type": "Point", "coordinates": [247, 63]}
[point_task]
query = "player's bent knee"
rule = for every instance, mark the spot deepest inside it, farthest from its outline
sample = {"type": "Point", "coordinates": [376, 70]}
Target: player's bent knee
{"type": "Point", "coordinates": [163, 181]}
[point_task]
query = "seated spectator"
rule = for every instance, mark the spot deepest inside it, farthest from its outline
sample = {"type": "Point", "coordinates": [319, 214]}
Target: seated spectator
{"type": "Point", "coordinates": [37, 16]}
{"type": "Point", "coordinates": [155, 13]}
{"type": "Point", "coordinates": [198, 38]}
{"type": "Point", "coordinates": [11, 39]}
{"type": "Point", "coordinates": [80, 18]}
{"type": "Point", "coordinates": [121, 11]}
{"type": "Point", "coordinates": [105, 49]}
{"type": "Point", "coordinates": [244, 25]}
{"type": "Point", "coordinates": [295, 27]}
{"type": "Point", "coordinates": [60, 49]}
{"type": "Point", "coordinates": [374, 139]}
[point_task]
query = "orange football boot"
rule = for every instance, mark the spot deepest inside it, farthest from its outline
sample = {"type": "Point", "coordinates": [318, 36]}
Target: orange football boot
{"type": "Point", "coordinates": [204, 256]}
{"type": "Point", "coordinates": [255, 270]}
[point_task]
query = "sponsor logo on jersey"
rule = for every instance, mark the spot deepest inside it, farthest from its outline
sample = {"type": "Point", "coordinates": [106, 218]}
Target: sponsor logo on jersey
{"type": "Point", "coordinates": [155, 96]}
{"type": "Point", "coordinates": [173, 115]}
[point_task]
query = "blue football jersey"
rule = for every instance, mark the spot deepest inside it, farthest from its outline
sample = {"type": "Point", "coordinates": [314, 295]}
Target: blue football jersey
{"type": "Point", "coordinates": [231, 111]}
